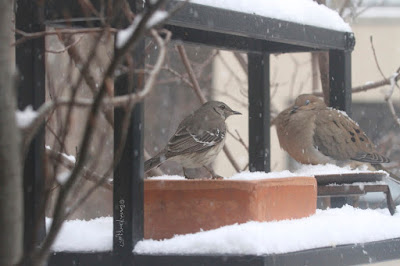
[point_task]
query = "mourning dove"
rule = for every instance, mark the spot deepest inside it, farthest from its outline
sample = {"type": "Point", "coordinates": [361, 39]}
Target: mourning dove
{"type": "Point", "coordinates": [313, 133]}
{"type": "Point", "coordinates": [198, 139]}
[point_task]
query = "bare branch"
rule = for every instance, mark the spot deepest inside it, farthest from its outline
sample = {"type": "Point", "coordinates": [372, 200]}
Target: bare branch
{"type": "Point", "coordinates": [69, 164]}
{"type": "Point", "coordinates": [376, 58]}
{"type": "Point", "coordinates": [29, 36]}
{"type": "Point", "coordinates": [66, 48]}
{"type": "Point", "coordinates": [192, 77]}
{"type": "Point", "coordinates": [239, 139]}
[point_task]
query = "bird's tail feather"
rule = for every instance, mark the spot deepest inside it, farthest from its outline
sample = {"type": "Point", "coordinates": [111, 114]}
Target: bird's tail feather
{"type": "Point", "coordinates": [152, 163]}
{"type": "Point", "coordinates": [392, 176]}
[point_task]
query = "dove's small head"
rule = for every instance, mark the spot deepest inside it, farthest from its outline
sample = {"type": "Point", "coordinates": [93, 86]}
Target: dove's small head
{"type": "Point", "coordinates": [308, 102]}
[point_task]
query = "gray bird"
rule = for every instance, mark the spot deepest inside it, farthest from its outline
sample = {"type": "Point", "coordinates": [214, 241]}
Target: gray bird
{"type": "Point", "coordinates": [198, 139]}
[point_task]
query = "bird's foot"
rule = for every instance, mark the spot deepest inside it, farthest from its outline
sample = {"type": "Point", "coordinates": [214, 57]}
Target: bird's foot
{"type": "Point", "coordinates": [213, 174]}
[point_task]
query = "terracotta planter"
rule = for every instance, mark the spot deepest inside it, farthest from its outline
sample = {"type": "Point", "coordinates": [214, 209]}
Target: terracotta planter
{"type": "Point", "coordinates": [188, 206]}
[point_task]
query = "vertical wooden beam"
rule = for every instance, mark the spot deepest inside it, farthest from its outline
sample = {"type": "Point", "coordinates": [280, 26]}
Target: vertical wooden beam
{"type": "Point", "coordinates": [30, 60]}
{"type": "Point", "coordinates": [340, 92]}
{"type": "Point", "coordinates": [259, 112]}
{"type": "Point", "coordinates": [128, 175]}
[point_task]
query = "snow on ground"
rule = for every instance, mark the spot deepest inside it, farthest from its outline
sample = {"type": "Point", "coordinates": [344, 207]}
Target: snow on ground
{"type": "Point", "coordinates": [78, 235]}
{"type": "Point", "coordinates": [305, 12]}
{"type": "Point", "coordinates": [25, 118]}
{"type": "Point", "coordinates": [326, 228]}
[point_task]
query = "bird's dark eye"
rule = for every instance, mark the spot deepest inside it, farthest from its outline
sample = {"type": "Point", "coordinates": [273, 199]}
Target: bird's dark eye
{"type": "Point", "coordinates": [222, 107]}
{"type": "Point", "coordinates": [307, 102]}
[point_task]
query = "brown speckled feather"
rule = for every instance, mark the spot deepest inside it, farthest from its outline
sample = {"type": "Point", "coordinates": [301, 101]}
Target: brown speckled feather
{"type": "Point", "coordinates": [339, 137]}
{"type": "Point", "coordinates": [313, 133]}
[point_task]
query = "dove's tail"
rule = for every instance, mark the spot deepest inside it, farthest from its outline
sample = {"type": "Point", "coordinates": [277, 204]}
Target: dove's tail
{"type": "Point", "coordinates": [392, 176]}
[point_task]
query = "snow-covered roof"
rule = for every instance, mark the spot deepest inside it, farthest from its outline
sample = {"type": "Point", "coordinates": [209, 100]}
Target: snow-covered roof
{"type": "Point", "coordinates": [305, 12]}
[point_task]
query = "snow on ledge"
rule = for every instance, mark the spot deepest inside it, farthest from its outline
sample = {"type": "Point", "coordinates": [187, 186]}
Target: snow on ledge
{"type": "Point", "coordinates": [305, 12]}
{"type": "Point", "coordinates": [304, 170]}
{"type": "Point", "coordinates": [327, 228]}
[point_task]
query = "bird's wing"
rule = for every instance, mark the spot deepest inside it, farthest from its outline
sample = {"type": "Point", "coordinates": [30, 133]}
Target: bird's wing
{"type": "Point", "coordinates": [187, 140]}
{"type": "Point", "coordinates": [338, 136]}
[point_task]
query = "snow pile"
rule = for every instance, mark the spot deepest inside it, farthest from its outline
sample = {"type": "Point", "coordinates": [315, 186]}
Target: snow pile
{"type": "Point", "coordinates": [78, 235]}
{"type": "Point", "coordinates": [327, 228]}
{"type": "Point", "coordinates": [124, 35]}
{"type": "Point", "coordinates": [305, 12]}
{"type": "Point", "coordinates": [328, 169]}
{"type": "Point", "coordinates": [167, 177]}
{"type": "Point", "coordinates": [63, 177]}
{"type": "Point", "coordinates": [25, 118]}
{"type": "Point", "coordinates": [304, 170]}
{"type": "Point", "coordinates": [261, 175]}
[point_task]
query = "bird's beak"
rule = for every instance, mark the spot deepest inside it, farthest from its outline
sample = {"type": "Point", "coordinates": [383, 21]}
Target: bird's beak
{"type": "Point", "coordinates": [236, 113]}
{"type": "Point", "coordinates": [294, 109]}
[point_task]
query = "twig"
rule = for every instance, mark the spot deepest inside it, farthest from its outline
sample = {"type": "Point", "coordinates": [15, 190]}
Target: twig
{"type": "Point", "coordinates": [388, 99]}
{"type": "Point", "coordinates": [177, 74]}
{"type": "Point", "coordinates": [29, 36]}
{"type": "Point", "coordinates": [87, 75]}
{"type": "Point", "coordinates": [239, 139]}
{"type": "Point", "coordinates": [67, 163]}
{"type": "Point", "coordinates": [202, 98]}
{"type": "Point", "coordinates": [375, 57]}
{"type": "Point", "coordinates": [192, 76]}
{"type": "Point", "coordinates": [66, 48]}
{"type": "Point", "coordinates": [369, 86]}
{"type": "Point", "coordinates": [392, 82]}
{"type": "Point", "coordinates": [209, 60]}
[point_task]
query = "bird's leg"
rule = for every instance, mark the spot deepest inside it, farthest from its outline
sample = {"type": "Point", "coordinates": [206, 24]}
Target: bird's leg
{"type": "Point", "coordinates": [185, 175]}
{"type": "Point", "coordinates": [213, 174]}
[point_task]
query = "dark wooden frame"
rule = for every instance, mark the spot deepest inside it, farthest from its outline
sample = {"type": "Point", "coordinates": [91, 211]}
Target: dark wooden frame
{"type": "Point", "coordinates": [229, 30]}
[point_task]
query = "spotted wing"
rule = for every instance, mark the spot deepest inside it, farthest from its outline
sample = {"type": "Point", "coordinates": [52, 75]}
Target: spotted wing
{"type": "Point", "coordinates": [338, 136]}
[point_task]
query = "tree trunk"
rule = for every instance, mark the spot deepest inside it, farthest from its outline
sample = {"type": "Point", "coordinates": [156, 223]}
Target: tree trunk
{"type": "Point", "coordinates": [11, 192]}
